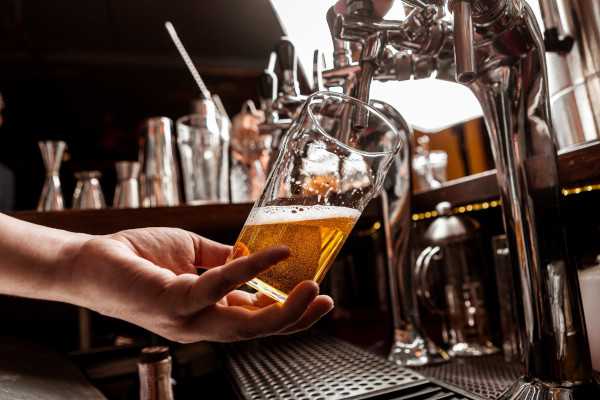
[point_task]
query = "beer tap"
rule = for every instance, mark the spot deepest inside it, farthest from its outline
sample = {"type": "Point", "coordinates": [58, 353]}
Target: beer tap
{"type": "Point", "coordinates": [267, 91]}
{"type": "Point", "coordinates": [495, 47]}
{"type": "Point", "coordinates": [289, 100]}
{"type": "Point", "coordinates": [411, 346]}
{"type": "Point", "coordinates": [280, 98]}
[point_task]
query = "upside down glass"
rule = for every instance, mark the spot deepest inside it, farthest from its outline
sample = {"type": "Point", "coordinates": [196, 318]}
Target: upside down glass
{"type": "Point", "coordinates": [327, 169]}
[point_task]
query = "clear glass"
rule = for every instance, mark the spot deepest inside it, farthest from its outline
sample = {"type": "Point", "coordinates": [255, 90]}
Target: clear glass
{"type": "Point", "coordinates": [431, 169]}
{"type": "Point", "coordinates": [203, 142]}
{"type": "Point", "coordinates": [325, 173]}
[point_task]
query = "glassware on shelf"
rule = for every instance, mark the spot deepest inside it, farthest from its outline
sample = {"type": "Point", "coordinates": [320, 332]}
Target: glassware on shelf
{"type": "Point", "coordinates": [52, 196]}
{"type": "Point", "coordinates": [127, 192]}
{"type": "Point", "coordinates": [203, 142]}
{"type": "Point", "coordinates": [429, 166]}
{"type": "Point", "coordinates": [454, 251]}
{"type": "Point", "coordinates": [159, 177]}
{"type": "Point", "coordinates": [250, 151]}
{"type": "Point", "coordinates": [88, 192]}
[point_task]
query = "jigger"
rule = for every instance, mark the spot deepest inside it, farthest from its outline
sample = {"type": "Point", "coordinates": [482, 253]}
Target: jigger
{"type": "Point", "coordinates": [52, 197]}
{"type": "Point", "coordinates": [127, 192]}
{"type": "Point", "coordinates": [88, 192]}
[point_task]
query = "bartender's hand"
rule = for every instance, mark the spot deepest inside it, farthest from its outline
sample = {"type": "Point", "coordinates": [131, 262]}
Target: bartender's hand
{"type": "Point", "coordinates": [380, 7]}
{"type": "Point", "coordinates": [148, 277]}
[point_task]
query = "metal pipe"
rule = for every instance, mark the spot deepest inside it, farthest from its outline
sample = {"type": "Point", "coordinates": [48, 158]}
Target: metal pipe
{"type": "Point", "coordinates": [463, 42]}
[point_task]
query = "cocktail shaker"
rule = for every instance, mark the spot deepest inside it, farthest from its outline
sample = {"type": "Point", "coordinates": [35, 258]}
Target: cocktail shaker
{"type": "Point", "coordinates": [159, 178]}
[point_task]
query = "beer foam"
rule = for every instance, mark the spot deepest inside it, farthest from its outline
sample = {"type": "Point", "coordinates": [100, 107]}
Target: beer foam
{"type": "Point", "coordinates": [282, 214]}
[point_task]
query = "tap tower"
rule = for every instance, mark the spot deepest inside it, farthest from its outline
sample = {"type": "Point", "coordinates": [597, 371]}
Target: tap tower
{"type": "Point", "coordinates": [494, 47]}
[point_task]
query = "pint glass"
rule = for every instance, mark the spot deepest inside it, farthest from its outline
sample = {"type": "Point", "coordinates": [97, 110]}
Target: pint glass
{"type": "Point", "coordinates": [331, 162]}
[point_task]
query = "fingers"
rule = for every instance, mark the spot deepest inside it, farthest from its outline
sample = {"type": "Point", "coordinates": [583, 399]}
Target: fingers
{"type": "Point", "coordinates": [215, 283]}
{"type": "Point", "coordinates": [241, 315]}
{"type": "Point", "coordinates": [209, 253]}
{"type": "Point", "coordinates": [301, 310]}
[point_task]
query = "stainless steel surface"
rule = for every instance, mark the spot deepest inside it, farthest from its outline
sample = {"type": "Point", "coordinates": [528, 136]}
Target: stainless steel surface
{"type": "Point", "coordinates": [159, 178]}
{"type": "Point", "coordinates": [51, 198]}
{"type": "Point", "coordinates": [463, 41]}
{"type": "Point", "coordinates": [511, 85]}
{"type": "Point", "coordinates": [88, 192]}
{"type": "Point", "coordinates": [574, 70]}
{"type": "Point", "coordinates": [312, 365]}
{"type": "Point", "coordinates": [127, 192]}
{"type": "Point", "coordinates": [488, 376]}
{"type": "Point", "coordinates": [507, 300]}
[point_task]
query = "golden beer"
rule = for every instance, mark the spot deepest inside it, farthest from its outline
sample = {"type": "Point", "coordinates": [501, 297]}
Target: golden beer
{"type": "Point", "coordinates": [314, 234]}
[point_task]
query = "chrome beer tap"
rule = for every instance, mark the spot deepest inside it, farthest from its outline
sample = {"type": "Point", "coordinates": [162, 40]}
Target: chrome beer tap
{"type": "Point", "coordinates": [496, 48]}
{"type": "Point", "coordinates": [281, 99]}
{"type": "Point", "coordinates": [411, 346]}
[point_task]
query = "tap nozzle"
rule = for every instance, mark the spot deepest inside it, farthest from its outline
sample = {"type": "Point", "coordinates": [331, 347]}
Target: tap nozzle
{"type": "Point", "coordinates": [464, 53]}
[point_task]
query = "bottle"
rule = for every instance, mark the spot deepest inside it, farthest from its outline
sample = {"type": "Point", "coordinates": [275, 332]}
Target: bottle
{"type": "Point", "coordinates": [154, 370]}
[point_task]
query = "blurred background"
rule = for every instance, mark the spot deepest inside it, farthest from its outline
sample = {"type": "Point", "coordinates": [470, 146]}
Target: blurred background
{"type": "Point", "coordinates": [90, 73]}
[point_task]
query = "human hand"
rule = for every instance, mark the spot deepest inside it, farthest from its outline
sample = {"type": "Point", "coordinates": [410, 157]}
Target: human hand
{"type": "Point", "coordinates": [380, 7]}
{"type": "Point", "coordinates": [148, 277]}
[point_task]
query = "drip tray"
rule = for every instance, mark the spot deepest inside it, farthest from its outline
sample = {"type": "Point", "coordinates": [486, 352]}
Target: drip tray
{"type": "Point", "coordinates": [314, 366]}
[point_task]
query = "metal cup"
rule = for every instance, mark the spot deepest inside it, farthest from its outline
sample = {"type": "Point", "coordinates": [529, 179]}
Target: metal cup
{"type": "Point", "coordinates": [159, 177]}
{"type": "Point", "coordinates": [52, 196]}
{"type": "Point", "coordinates": [127, 192]}
{"type": "Point", "coordinates": [88, 192]}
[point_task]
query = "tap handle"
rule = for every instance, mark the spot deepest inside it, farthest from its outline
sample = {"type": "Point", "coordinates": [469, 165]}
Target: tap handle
{"type": "Point", "coordinates": [286, 54]}
{"type": "Point", "coordinates": [331, 15]}
{"type": "Point", "coordinates": [286, 57]}
{"type": "Point", "coordinates": [556, 38]}
{"type": "Point", "coordinates": [341, 48]}
{"type": "Point", "coordinates": [267, 87]}
{"type": "Point", "coordinates": [318, 66]}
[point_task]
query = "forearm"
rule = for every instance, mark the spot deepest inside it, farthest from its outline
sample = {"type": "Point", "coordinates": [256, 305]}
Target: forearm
{"type": "Point", "coordinates": [36, 261]}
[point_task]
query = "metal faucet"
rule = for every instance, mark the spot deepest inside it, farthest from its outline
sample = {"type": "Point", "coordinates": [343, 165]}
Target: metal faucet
{"type": "Point", "coordinates": [280, 101]}
{"type": "Point", "coordinates": [496, 48]}
{"type": "Point", "coordinates": [410, 344]}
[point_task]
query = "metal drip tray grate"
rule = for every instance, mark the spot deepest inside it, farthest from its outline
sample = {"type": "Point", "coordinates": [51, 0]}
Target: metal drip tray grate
{"type": "Point", "coordinates": [314, 366]}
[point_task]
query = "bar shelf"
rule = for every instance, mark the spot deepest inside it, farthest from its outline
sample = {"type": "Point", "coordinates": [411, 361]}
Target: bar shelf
{"type": "Point", "coordinates": [578, 167]}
